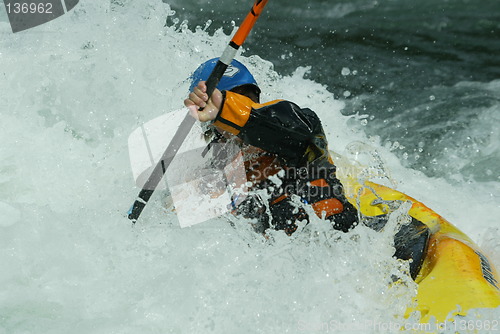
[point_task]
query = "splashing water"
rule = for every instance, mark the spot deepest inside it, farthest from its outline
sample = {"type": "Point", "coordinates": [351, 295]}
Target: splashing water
{"type": "Point", "coordinates": [72, 91]}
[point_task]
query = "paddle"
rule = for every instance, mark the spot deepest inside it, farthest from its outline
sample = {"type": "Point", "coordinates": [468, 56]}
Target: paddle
{"type": "Point", "coordinates": [186, 125]}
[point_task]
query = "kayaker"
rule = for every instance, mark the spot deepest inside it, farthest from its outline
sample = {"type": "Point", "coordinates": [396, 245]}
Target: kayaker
{"type": "Point", "coordinates": [286, 153]}
{"type": "Point", "coordinates": [278, 139]}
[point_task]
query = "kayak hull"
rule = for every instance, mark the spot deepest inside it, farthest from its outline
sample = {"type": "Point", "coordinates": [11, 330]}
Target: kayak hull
{"type": "Point", "coordinates": [455, 275]}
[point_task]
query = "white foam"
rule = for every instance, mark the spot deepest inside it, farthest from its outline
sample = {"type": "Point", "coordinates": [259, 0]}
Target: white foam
{"type": "Point", "coordinates": [10, 215]}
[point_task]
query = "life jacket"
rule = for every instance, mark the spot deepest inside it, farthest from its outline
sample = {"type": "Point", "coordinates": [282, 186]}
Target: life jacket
{"type": "Point", "coordinates": [285, 152]}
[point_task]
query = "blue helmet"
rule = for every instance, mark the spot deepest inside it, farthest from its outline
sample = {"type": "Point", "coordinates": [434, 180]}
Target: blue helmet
{"type": "Point", "coordinates": [236, 75]}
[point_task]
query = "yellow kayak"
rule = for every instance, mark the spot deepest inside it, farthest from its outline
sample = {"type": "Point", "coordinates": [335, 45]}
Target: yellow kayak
{"type": "Point", "coordinates": [455, 275]}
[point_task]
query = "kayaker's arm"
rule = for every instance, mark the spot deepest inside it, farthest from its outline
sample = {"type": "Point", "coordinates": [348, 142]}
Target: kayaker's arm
{"type": "Point", "coordinates": [279, 127]}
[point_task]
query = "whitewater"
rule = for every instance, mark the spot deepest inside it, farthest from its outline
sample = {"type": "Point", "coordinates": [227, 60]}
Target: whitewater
{"type": "Point", "coordinates": [72, 91]}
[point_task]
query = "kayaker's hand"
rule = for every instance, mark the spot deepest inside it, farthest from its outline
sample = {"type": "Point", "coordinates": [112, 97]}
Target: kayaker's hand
{"type": "Point", "coordinates": [198, 98]}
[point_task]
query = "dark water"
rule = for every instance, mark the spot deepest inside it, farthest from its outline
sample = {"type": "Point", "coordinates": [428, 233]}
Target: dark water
{"type": "Point", "coordinates": [423, 71]}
